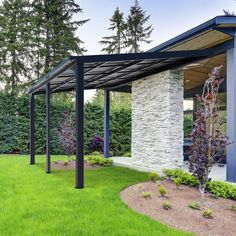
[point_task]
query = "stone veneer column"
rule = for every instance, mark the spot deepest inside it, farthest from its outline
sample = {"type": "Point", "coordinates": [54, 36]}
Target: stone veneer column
{"type": "Point", "coordinates": [157, 120]}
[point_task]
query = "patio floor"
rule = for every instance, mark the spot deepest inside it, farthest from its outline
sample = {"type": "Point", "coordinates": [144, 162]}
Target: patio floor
{"type": "Point", "coordinates": [217, 173]}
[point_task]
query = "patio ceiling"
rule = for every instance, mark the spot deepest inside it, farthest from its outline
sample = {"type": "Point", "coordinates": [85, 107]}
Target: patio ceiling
{"type": "Point", "coordinates": [116, 72]}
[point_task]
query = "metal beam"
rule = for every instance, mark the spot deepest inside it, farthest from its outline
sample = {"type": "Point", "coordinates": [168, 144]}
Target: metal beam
{"type": "Point", "coordinates": [106, 123]}
{"type": "Point", "coordinates": [144, 56]}
{"type": "Point", "coordinates": [79, 99]}
{"type": "Point", "coordinates": [32, 129]}
{"type": "Point", "coordinates": [231, 115]}
{"type": "Point", "coordinates": [57, 71]}
{"type": "Point", "coordinates": [48, 118]}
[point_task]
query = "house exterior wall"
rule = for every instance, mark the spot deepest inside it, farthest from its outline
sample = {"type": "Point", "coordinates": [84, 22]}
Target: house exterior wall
{"type": "Point", "coordinates": [157, 120]}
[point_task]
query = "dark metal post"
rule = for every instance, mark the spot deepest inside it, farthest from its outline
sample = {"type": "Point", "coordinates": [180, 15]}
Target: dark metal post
{"type": "Point", "coordinates": [48, 116]}
{"type": "Point", "coordinates": [32, 130]}
{"type": "Point", "coordinates": [106, 123]}
{"type": "Point", "coordinates": [79, 99]}
{"type": "Point", "coordinates": [231, 114]}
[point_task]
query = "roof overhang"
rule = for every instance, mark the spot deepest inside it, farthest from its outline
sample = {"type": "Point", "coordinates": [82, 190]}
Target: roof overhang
{"type": "Point", "coordinates": [117, 71]}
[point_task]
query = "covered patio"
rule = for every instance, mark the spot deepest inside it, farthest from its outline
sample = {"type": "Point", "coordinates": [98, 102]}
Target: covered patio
{"type": "Point", "coordinates": [194, 52]}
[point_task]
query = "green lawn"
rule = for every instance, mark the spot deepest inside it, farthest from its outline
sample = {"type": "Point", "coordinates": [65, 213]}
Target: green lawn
{"type": "Point", "coordinates": [35, 203]}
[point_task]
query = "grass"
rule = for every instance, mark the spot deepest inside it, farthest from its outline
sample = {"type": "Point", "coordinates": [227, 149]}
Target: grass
{"type": "Point", "coordinates": [35, 203]}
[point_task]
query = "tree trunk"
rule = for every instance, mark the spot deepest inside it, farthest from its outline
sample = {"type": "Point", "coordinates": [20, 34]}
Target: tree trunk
{"type": "Point", "coordinates": [202, 187]}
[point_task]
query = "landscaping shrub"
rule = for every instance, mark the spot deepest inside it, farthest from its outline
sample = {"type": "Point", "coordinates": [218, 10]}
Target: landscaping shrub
{"type": "Point", "coordinates": [208, 213]}
{"type": "Point", "coordinates": [194, 205]}
{"type": "Point", "coordinates": [14, 125]}
{"type": "Point", "coordinates": [177, 181]}
{"type": "Point", "coordinates": [222, 189]}
{"type": "Point", "coordinates": [98, 160]}
{"type": "Point", "coordinates": [96, 144]}
{"type": "Point", "coordinates": [153, 176]}
{"type": "Point", "coordinates": [233, 208]}
{"type": "Point", "coordinates": [127, 154]}
{"type": "Point", "coordinates": [187, 178]}
{"type": "Point", "coordinates": [147, 194]}
{"type": "Point", "coordinates": [162, 190]}
{"type": "Point", "coordinates": [218, 188]}
{"type": "Point", "coordinates": [166, 205]}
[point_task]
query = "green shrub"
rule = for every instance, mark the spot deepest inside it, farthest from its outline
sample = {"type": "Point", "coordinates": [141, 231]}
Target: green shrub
{"type": "Point", "coordinates": [127, 154]}
{"type": "Point", "coordinates": [162, 190]}
{"type": "Point", "coordinates": [96, 153]}
{"type": "Point", "coordinates": [14, 125]}
{"type": "Point", "coordinates": [218, 188]}
{"type": "Point", "coordinates": [194, 205]}
{"type": "Point", "coordinates": [233, 208]}
{"type": "Point", "coordinates": [98, 160]}
{"type": "Point", "coordinates": [147, 194]}
{"type": "Point", "coordinates": [208, 213]}
{"type": "Point", "coordinates": [177, 181]}
{"type": "Point", "coordinates": [153, 176]}
{"type": "Point", "coordinates": [222, 189]}
{"type": "Point", "coordinates": [166, 205]}
{"type": "Point", "coordinates": [187, 178]}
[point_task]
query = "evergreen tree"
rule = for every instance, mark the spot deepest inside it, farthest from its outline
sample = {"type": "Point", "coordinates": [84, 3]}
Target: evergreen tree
{"type": "Point", "coordinates": [228, 13]}
{"type": "Point", "coordinates": [14, 41]}
{"type": "Point", "coordinates": [116, 42]}
{"type": "Point", "coordinates": [34, 37]}
{"type": "Point", "coordinates": [55, 34]}
{"type": "Point", "coordinates": [137, 32]}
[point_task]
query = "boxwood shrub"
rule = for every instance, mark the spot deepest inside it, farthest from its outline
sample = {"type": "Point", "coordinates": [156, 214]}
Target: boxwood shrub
{"type": "Point", "coordinates": [222, 189]}
{"type": "Point", "coordinates": [218, 188]}
{"type": "Point", "coordinates": [187, 178]}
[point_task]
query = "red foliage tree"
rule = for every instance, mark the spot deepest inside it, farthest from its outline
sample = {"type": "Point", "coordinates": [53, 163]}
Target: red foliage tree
{"type": "Point", "coordinates": [208, 139]}
{"type": "Point", "coordinates": [66, 134]}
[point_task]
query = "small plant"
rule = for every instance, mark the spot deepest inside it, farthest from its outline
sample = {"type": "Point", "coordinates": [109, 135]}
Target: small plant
{"type": "Point", "coordinates": [166, 205]}
{"type": "Point", "coordinates": [177, 181]}
{"type": "Point", "coordinates": [96, 153]}
{"type": "Point", "coordinates": [187, 178]}
{"type": "Point", "coordinates": [127, 154]}
{"type": "Point", "coordinates": [208, 213]}
{"type": "Point", "coordinates": [162, 190]}
{"type": "Point", "coordinates": [147, 194]}
{"type": "Point", "coordinates": [98, 160]}
{"type": "Point", "coordinates": [96, 144]}
{"type": "Point", "coordinates": [66, 163]}
{"type": "Point", "coordinates": [194, 205]}
{"type": "Point", "coordinates": [153, 177]}
{"type": "Point", "coordinates": [233, 208]}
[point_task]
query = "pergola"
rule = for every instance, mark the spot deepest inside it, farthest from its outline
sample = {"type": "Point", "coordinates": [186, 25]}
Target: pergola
{"type": "Point", "coordinates": [117, 72]}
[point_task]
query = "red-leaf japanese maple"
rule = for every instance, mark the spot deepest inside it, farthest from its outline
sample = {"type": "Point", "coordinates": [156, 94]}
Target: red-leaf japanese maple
{"type": "Point", "coordinates": [208, 139]}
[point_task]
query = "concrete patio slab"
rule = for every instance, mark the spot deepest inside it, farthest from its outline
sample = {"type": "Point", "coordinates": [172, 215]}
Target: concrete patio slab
{"type": "Point", "coordinates": [217, 173]}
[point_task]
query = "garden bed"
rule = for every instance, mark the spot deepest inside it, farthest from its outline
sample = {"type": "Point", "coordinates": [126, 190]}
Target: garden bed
{"type": "Point", "coordinates": [62, 165]}
{"type": "Point", "coordinates": [180, 215]}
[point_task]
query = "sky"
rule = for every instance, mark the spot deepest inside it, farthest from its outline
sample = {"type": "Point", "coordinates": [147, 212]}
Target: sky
{"type": "Point", "coordinates": [168, 17]}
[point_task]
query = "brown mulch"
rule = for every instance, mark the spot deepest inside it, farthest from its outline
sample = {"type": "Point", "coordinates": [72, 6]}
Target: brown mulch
{"type": "Point", "coordinates": [180, 216]}
{"type": "Point", "coordinates": [62, 165]}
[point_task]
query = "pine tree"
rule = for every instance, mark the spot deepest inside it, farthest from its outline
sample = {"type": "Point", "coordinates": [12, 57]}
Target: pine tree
{"type": "Point", "coordinates": [14, 40]}
{"type": "Point", "coordinates": [116, 42]}
{"type": "Point", "coordinates": [34, 37]}
{"type": "Point", "coordinates": [56, 31]}
{"type": "Point", "coordinates": [228, 13]}
{"type": "Point", "coordinates": [137, 32]}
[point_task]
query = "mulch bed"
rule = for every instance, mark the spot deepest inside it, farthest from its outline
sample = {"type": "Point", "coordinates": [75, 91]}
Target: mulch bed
{"type": "Point", "coordinates": [62, 165]}
{"type": "Point", "coordinates": [180, 216]}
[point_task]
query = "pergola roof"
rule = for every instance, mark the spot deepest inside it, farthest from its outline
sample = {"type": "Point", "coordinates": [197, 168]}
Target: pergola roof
{"type": "Point", "coordinates": [116, 72]}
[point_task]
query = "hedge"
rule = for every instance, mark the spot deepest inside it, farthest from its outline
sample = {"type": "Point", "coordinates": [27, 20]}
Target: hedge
{"type": "Point", "coordinates": [14, 125]}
